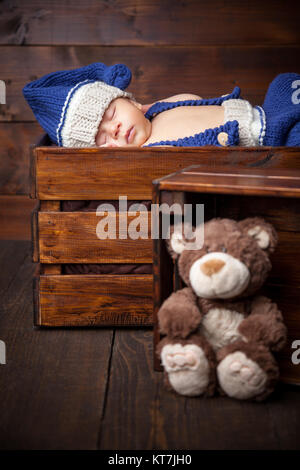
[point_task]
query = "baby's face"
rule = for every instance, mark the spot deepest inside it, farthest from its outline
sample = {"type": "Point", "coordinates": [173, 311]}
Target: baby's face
{"type": "Point", "coordinates": [123, 124]}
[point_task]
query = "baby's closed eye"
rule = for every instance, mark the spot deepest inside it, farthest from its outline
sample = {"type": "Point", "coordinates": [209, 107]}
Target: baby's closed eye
{"type": "Point", "coordinates": [110, 113]}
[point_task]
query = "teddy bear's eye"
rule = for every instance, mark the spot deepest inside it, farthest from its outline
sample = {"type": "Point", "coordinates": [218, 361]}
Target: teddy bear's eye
{"type": "Point", "coordinates": [223, 249]}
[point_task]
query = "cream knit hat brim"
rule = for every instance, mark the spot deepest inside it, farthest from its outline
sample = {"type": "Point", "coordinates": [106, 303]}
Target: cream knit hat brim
{"type": "Point", "coordinates": [84, 111]}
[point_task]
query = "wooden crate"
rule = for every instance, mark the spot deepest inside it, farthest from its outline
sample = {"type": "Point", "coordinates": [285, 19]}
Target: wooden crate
{"type": "Point", "coordinates": [62, 174]}
{"type": "Point", "coordinates": [238, 193]}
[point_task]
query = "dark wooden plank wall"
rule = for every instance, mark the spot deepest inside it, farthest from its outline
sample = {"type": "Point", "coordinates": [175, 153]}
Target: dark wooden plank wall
{"type": "Point", "coordinates": [204, 47]}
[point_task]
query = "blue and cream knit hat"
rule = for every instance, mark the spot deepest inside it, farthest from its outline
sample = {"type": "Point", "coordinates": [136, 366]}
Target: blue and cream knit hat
{"type": "Point", "coordinates": [70, 104]}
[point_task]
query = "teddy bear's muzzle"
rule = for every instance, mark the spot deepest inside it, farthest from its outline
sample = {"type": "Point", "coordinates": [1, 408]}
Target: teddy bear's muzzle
{"type": "Point", "coordinates": [219, 275]}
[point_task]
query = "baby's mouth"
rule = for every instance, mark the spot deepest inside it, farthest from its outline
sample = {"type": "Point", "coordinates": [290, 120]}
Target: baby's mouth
{"type": "Point", "coordinates": [130, 135]}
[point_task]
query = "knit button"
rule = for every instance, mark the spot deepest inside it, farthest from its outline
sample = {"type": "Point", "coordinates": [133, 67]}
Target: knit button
{"type": "Point", "coordinates": [223, 138]}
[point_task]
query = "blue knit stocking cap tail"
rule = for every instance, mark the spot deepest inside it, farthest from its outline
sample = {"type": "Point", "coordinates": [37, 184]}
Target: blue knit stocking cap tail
{"type": "Point", "coordinates": [70, 104]}
{"type": "Point", "coordinates": [282, 109]}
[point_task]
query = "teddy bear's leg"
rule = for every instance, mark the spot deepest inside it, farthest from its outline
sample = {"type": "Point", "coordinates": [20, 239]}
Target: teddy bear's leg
{"type": "Point", "coordinates": [189, 365]}
{"type": "Point", "coordinates": [246, 371]}
{"type": "Point", "coordinates": [187, 368]}
{"type": "Point", "coordinates": [264, 325]}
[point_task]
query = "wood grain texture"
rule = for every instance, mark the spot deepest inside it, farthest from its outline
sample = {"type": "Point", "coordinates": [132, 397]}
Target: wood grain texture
{"type": "Point", "coordinates": [163, 268]}
{"type": "Point", "coordinates": [49, 206]}
{"type": "Point", "coordinates": [247, 47]}
{"type": "Point", "coordinates": [133, 382]}
{"type": "Point", "coordinates": [72, 237]}
{"type": "Point", "coordinates": [88, 173]}
{"type": "Point", "coordinates": [95, 300]}
{"type": "Point", "coordinates": [60, 387]}
{"type": "Point", "coordinates": [15, 217]}
{"type": "Point", "coordinates": [220, 423]}
{"type": "Point", "coordinates": [41, 206]}
{"type": "Point", "coordinates": [208, 71]}
{"type": "Point", "coordinates": [283, 213]}
{"type": "Point", "coordinates": [91, 23]}
{"type": "Point", "coordinates": [51, 268]}
{"type": "Point", "coordinates": [35, 235]}
{"type": "Point", "coordinates": [15, 155]}
{"type": "Point", "coordinates": [32, 176]}
{"type": "Point", "coordinates": [54, 383]}
{"type": "Point", "coordinates": [243, 182]}
{"type": "Point", "coordinates": [43, 139]}
{"type": "Point", "coordinates": [172, 422]}
{"type": "Point", "coordinates": [285, 268]}
{"type": "Point", "coordinates": [287, 298]}
{"type": "Point", "coordinates": [12, 253]}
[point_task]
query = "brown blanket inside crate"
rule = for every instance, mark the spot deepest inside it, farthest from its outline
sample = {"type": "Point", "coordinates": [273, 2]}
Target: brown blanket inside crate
{"type": "Point", "coordinates": [107, 269]}
{"type": "Point", "coordinates": [70, 206]}
{"type": "Point", "coordinates": [85, 206]}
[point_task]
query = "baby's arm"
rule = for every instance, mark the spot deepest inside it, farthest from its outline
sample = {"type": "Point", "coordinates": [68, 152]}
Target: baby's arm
{"type": "Point", "coordinates": [183, 97]}
{"type": "Point", "coordinates": [179, 97]}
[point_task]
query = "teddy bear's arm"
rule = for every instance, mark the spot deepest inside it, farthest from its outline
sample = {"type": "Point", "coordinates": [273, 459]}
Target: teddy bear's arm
{"type": "Point", "coordinates": [264, 324]}
{"type": "Point", "coordinates": [179, 315]}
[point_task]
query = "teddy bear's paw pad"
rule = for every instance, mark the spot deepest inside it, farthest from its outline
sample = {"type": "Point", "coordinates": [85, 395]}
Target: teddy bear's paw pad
{"type": "Point", "coordinates": [176, 357]}
{"type": "Point", "coordinates": [181, 359]}
{"type": "Point", "coordinates": [187, 368]}
{"type": "Point", "coordinates": [240, 377]}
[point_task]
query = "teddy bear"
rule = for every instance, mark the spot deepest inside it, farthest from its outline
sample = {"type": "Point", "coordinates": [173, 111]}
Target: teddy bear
{"type": "Point", "coordinates": [219, 333]}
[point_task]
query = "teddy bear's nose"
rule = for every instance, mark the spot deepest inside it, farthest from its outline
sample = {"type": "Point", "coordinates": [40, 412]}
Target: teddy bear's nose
{"type": "Point", "coordinates": [212, 266]}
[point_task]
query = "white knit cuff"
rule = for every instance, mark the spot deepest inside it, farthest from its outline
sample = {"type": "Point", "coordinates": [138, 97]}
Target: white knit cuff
{"type": "Point", "coordinates": [248, 119]}
{"type": "Point", "coordinates": [83, 113]}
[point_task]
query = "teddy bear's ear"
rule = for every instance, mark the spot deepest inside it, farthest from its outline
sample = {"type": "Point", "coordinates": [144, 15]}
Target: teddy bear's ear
{"type": "Point", "coordinates": [182, 237]}
{"type": "Point", "coordinates": [263, 233]}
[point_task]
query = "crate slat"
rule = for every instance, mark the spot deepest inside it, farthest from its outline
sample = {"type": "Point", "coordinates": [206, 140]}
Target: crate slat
{"type": "Point", "coordinates": [70, 237]}
{"type": "Point", "coordinates": [257, 182]}
{"type": "Point", "coordinates": [92, 173]}
{"type": "Point", "coordinates": [92, 300]}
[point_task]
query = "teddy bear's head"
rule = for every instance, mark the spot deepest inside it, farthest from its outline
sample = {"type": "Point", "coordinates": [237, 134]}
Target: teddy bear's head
{"type": "Point", "coordinates": [232, 260]}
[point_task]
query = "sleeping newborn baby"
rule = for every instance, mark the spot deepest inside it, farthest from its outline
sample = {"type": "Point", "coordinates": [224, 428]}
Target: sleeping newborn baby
{"type": "Point", "coordinates": [88, 107]}
{"type": "Point", "coordinates": [124, 122]}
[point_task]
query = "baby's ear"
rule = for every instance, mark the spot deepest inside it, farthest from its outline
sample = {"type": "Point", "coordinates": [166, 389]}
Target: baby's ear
{"type": "Point", "coordinates": [135, 103]}
{"type": "Point", "coordinates": [144, 107]}
{"type": "Point", "coordinates": [263, 233]}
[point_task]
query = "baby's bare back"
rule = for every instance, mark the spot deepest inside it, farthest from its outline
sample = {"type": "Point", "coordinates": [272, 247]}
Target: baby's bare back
{"type": "Point", "coordinates": [185, 121]}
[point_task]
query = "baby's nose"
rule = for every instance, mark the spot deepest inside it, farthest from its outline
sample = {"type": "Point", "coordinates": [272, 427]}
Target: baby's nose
{"type": "Point", "coordinates": [115, 129]}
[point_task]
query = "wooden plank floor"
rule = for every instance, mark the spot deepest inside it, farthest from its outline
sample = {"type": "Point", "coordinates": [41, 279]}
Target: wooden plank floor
{"type": "Point", "coordinates": [96, 389]}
